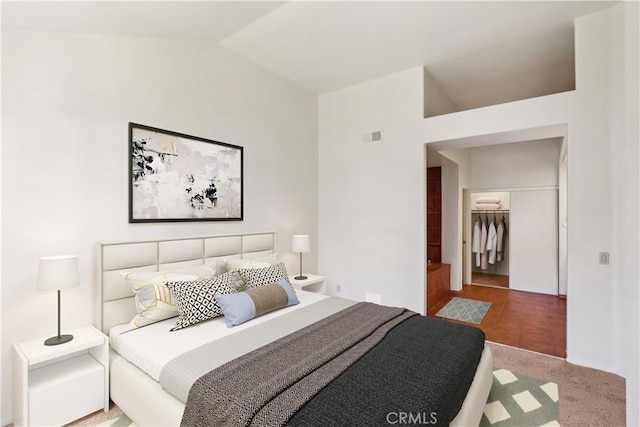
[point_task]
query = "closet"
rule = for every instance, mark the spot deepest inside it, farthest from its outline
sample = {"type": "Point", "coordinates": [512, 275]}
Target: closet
{"type": "Point", "coordinates": [516, 246]}
{"type": "Point", "coordinates": [490, 238]}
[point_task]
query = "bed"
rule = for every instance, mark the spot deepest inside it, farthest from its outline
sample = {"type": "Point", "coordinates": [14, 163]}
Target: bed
{"type": "Point", "coordinates": [139, 358]}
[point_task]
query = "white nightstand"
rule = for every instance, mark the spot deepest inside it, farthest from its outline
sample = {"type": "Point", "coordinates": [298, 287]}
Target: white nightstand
{"type": "Point", "coordinates": [312, 283]}
{"type": "Point", "coordinates": [54, 385]}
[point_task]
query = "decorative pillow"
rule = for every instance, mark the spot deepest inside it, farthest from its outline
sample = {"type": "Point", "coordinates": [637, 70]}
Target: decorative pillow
{"type": "Point", "coordinates": [224, 265]}
{"type": "Point", "coordinates": [154, 301]}
{"type": "Point", "coordinates": [238, 282]}
{"type": "Point", "coordinates": [235, 264]}
{"type": "Point", "coordinates": [254, 277]}
{"type": "Point", "coordinates": [243, 306]}
{"type": "Point", "coordinates": [195, 300]}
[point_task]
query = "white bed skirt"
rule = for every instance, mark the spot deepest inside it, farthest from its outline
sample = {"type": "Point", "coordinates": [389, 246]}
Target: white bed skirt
{"type": "Point", "coordinates": [146, 403]}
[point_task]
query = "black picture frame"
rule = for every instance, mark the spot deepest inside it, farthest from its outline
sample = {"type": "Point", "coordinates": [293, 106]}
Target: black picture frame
{"type": "Point", "coordinates": [178, 177]}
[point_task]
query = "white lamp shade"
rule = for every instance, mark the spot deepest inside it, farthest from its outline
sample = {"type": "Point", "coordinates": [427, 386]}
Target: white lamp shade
{"type": "Point", "coordinates": [300, 243]}
{"type": "Point", "coordinates": [58, 272]}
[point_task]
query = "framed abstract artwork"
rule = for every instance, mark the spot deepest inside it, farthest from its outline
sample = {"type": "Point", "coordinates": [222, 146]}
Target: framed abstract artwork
{"type": "Point", "coordinates": [178, 177]}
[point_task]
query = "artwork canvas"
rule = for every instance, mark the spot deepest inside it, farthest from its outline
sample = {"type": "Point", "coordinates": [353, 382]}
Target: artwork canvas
{"type": "Point", "coordinates": [178, 177]}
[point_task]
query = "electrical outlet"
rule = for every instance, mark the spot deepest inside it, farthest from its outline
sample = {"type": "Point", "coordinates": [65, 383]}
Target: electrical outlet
{"type": "Point", "coordinates": [604, 258]}
{"type": "Point", "coordinates": [338, 287]}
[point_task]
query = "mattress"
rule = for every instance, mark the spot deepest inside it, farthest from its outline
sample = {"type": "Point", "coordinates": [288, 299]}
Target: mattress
{"type": "Point", "coordinates": [150, 348]}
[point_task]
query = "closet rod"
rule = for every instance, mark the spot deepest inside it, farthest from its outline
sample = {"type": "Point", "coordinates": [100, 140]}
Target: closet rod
{"type": "Point", "coordinates": [490, 210]}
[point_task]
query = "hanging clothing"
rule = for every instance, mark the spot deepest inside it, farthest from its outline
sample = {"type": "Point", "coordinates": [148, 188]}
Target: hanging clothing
{"type": "Point", "coordinates": [502, 234]}
{"type": "Point", "coordinates": [475, 242]}
{"type": "Point", "coordinates": [483, 245]}
{"type": "Point", "coordinates": [492, 242]}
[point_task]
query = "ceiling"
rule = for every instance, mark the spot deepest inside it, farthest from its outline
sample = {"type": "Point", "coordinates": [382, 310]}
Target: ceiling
{"type": "Point", "coordinates": [480, 52]}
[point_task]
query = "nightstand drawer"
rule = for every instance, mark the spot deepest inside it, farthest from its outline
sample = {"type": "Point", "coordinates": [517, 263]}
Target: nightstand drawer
{"type": "Point", "coordinates": [65, 391]}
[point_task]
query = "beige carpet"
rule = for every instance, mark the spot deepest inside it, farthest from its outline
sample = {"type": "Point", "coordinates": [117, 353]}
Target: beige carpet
{"type": "Point", "coordinates": [588, 397]}
{"type": "Point", "coordinates": [97, 418]}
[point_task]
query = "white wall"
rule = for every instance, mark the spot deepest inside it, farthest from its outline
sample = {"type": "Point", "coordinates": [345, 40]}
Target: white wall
{"type": "Point", "coordinates": [562, 224]}
{"type": "Point", "coordinates": [518, 165]}
{"type": "Point", "coordinates": [451, 222]}
{"type": "Point", "coordinates": [462, 161]}
{"type": "Point", "coordinates": [66, 103]}
{"type": "Point", "coordinates": [626, 184]}
{"type": "Point", "coordinates": [372, 196]}
{"type": "Point", "coordinates": [436, 100]}
{"type": "Point", "coordinates": [2, 418]}
{"type": "Point", "coordinates": [590, 285]}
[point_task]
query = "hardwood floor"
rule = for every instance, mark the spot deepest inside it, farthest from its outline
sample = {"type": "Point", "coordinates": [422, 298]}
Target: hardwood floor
{"type": "Point", "coordinates": [526, 320]}
{"type": "Point", "coordinates": [490, 279]}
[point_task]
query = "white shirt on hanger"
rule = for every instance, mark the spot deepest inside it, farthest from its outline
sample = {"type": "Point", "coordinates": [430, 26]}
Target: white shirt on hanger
{"type": "Point", "coordinates": [492, 243]}
{"type": "Point", "coordinates": [483, 246]}
{"type": "Point", "coordinates": [501, 234]}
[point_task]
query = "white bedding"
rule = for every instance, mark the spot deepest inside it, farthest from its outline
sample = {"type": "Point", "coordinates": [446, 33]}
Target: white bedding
{"type": "Point", "coordinates": [151, 347]}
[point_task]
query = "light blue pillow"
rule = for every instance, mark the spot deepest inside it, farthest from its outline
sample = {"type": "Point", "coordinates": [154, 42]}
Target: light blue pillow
{"type": "Point", "coordinates": [242, 306]}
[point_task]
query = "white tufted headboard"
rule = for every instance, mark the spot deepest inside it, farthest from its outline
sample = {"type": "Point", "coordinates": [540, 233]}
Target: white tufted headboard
{"type": "Point", "coordinates": [117, 304]}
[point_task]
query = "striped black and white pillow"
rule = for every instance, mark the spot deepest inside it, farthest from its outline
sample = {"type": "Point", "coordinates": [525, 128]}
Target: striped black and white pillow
{"type": "Point", "coordinates": [195, 299]}
{"type": "Point", "coordinates": [255, 277]}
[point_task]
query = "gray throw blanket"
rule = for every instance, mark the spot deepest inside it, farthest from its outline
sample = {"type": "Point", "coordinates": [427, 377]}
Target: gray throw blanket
{"type": "Point", "coordinates": [267, 386]}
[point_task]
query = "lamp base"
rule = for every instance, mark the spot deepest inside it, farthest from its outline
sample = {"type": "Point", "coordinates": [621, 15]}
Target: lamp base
{"type": "Point", "coordinates": [58, 339]}
{"type": "Point", "coordinates": [300, 277]}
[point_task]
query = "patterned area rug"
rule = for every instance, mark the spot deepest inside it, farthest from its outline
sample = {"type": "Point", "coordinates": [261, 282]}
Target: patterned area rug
{"type": "Point", "coordinates": [515, 400]}
{"type": "Point", "coordinates": [518, 400]}
{"type": "Point", "coordinates": [464, 309]}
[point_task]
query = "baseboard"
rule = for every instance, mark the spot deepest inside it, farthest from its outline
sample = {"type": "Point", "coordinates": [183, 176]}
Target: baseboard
{"type": "Point", "coordinates": [528, 351]}
{"type": "Point", "coordinates": [595, 366]}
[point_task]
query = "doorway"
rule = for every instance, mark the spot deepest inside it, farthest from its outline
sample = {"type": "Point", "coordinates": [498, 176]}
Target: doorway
{"type": "Point", "coordinates": [532, 171]}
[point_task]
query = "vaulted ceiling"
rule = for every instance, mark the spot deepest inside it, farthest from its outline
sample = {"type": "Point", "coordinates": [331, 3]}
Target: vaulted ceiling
{"type": "Point", "coordinates": [480, 52]}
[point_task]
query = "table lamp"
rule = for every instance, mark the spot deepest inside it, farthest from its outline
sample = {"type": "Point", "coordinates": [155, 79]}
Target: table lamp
{"type": "Point", "coordinates": [300, 243]}
{"type": "Point", "coordinates": [56, 273]}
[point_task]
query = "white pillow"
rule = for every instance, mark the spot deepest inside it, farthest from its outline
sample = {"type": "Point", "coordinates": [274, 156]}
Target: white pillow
{"type": "Point", "coordinates": [487, 206]}
{"type": "Point", "coordinates": [234, 264]}
{"type": "Point", "coordinates": [488, 200]}
{"type": "Point", "coordinates": [237, 264]}
{"type": "Point", "coordinates": [154, 301]}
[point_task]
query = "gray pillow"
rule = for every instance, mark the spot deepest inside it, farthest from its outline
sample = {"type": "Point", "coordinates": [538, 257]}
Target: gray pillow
{"type": "Point", "coordinates": [243, 306]}
{"type": "Point", "coordinates": [255, 277]}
